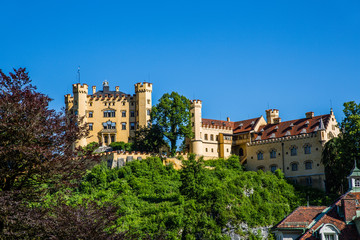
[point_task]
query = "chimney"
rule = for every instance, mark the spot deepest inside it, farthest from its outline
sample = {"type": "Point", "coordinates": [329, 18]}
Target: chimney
{"type": "Point", "coordinates": [271, 115]}
{"type": "Point", "coordinates": [117, 88]}
{"type": "Point", "coordinates": [228, 119]}
{"type": "Point", "coordinates": [94, 89]}
{"type": "Point", "coordinates": [349, 207]}
{"type": "Point", "coordinates": [309, 114]}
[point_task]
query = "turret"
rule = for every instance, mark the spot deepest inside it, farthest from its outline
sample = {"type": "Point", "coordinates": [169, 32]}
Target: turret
{"type": "Point", "coordinates": [80, 106]}
{"type": "Point", "coordinates": [272, 116]}
{"type": "Point", "coordinates": [196, 119]}
{"type": "Point", "coordinates": [143, 93]}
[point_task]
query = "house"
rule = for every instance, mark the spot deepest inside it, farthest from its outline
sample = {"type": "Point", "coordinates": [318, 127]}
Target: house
{"type": "Point", "coordinates": [339, 221]}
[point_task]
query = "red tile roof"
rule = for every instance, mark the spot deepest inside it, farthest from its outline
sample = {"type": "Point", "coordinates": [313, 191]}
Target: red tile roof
{"type": "Point", "coordinates": [312, 218]}
{"type": "Point", "coordinates": [292, 127]}
{"type": "Point", "coordinates": [301, 217]}
{"type": "Point", "coordinates": [238, 127]}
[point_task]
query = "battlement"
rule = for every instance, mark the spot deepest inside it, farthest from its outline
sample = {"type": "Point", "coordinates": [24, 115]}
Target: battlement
{"type": "Point", "coordinates": [272, 111]}
{"type": "Point", "coordinates": [143, 87]}
{"type": "Point", "coordinates": [108, 97]}
{"type": "Point", "coordinates": [196, 103]}
{"type": "Point", "coordinates": [78, 88]}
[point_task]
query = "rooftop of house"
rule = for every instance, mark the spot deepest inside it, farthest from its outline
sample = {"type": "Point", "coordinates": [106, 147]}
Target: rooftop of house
{"type": "Point", "coordinates": [238, 127]}
{"type": "Point", "coordinates": [293, 127]}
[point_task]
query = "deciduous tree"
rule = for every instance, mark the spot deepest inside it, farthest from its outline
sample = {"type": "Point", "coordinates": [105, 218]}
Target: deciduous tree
{"type": "Point", "coordinates": [172, 115]}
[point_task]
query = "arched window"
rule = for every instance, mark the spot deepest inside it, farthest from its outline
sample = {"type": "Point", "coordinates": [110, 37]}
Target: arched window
{"type": "Point", "coordinates": [206, 137]}
{"type": "Point", "coordinates": [329, 232]}
{"type": "Point", "coordinates": [308, 165]}
{"type": "Point", "coordinates": [294, 166]}
{"type": "Point", "coordinates": [307, 148]}
{"type": "Point", "coordinates": [212, 137]}
{"type": "Point", "coordinates": [293, 150]}
{"type": "Point", "coordinates": [273, 168]}
{"type": "Point", "coordinates": [273, 153]}
{"type": "Point", "coordinates": [241, 152]}
{"type": "Point", "coordinates": [260, 155]}
{"type": "Point", "coordinates": [261, 168]}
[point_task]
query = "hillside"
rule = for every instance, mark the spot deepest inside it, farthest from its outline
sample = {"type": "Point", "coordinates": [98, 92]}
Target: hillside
{"type": "Point", "coordinates": [192, 203]}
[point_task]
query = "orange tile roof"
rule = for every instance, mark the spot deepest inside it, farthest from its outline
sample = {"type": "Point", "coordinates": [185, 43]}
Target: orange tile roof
{"type": "Point", "coordinates": [300, 217]}
{"type": "Point", "coordinates": [292, 127]}
{"type": "Point", "coordinates": [312, 218]}
{"type": "Point", "coordinates": [238, 127]}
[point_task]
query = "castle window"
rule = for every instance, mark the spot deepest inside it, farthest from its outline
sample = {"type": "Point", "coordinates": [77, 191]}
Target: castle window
{"type": "Point", "coordinates": [104, 103]}
{"type": "Point", "coordinates": [106, 139]}
{"type": "Point", "coordinates": [192, 123]}
{"type": "Point", "coordinates": [273, 168]}
{"type": "Point", "coordinates": [90, 114]}
{"type": "Point", "coordinates": [132, 114]}
{"type": "Point", "coordinates": [109, 113]}
{"type": "Point", "coordinates": [206, 137]}
{"type": "Point", "coordinates": [308, 165]}
{"type": "Point", "coordinates": [212, 150]}
{"type": "Point", "coordinates": [241, 152]}
{"type": "Point", "coordinates": [90, 126]}
{"type": "Point", "coordinates": [148, 101]}
{"type": "Point", "coordinates": [123, 103]}
{"type": "Point", "coordinates": [206, 149]}
{"type": "Point", "coordinates": [112, 138]}
{"type": "Point", "coordinates": [260, 156]}
{"type": "Point", "coordinates": [137, 125]}
{"type": "Point", "coordinates": [123, 126]}
{"type": "Point", "coordinates": [262, 168]}
{"type": "Point", "coordinates": [293, 151]}
{"type": "Point", "coordinates": [273, 153]}
{"type": "Point", "coordinates": [109, 125]}
{"type": "Point", "coordinates": [309, 181]}
{"type": "Point", "coordinates": [132, 126]}
{"type": "Point", "coordinates": [148, 112]}
{"type": "Point", "coordinates": [132, 103]}
{"type": "Point", "coordinates": [227, 150]}
{"type": "Point", "coordinates": [123, 113]}
{"type": "Point", "coordinates": [212, 137]}
{"type": "Point", "coordinates": [307, 149]}
{"type": "Point", "coordinates": [294, 166]}
{"type": "Point", "coordinates": [217, 137]}
{"type": "Point", "coordinates": [90, 104]}
{"type": "Point", "coordinates": [192, 114]}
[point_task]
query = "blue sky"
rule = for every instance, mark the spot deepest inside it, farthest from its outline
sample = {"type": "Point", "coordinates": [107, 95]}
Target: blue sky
{"type": "Point", "coordinates": [238, 57]}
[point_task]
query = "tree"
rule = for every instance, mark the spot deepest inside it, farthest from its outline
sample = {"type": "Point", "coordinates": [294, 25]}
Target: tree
{"type": "Point", "coordinates": [149, 139]}
{"type": "Point", "coordinates": [172, 115]}
{"type": "Point", "coordinates": [37, 158]}
{"type": "Point", "coordinates": [340, 153]}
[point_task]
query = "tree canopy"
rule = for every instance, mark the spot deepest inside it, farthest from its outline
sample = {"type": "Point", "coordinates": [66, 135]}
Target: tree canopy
{"type": "Point", "coordinates": [340, 153]}
{"type": "Point", "coordinates": [172, 115]}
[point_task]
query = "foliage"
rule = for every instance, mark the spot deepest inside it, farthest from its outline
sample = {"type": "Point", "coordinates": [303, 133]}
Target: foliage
{"type": "Point", "coordinates": [122, 146]}
{"type": "Point", "coordinates": [149, 139]}
{"type": "Point", "coordinates": [172, 116]}
{"type": "Point", "coordinates": [37, 158]}
{"type": "Point", "coordinates": [91, 147]}
{"type": "Point", "coordinates": [196, 202]}
{"type": "Point", "coordinates": [340, 153]}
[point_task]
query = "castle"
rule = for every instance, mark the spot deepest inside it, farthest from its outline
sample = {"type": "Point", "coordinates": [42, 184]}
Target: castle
{"type": "Point", "coordinates": [111, 116]}
{"type": "Point", "coordinates": [294, 146]}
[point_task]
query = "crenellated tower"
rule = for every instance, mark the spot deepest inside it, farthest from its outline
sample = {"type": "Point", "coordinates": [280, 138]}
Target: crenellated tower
{"type": "Point", "coordinates": [143, 92]}
{"type": "Point", "coordinates": [79, 107]}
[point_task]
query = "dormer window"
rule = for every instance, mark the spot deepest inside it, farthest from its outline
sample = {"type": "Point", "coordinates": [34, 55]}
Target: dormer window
{"type": "Point", "coordinates": [329, 232]}
{"type": "Point", "coordinates": [357, 182]}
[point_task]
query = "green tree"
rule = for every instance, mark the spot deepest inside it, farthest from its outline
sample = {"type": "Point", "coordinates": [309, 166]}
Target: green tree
{"type": "Point", "coordinates": [172, 115]}
{"type": "Point", "coordinates": [149, 139]}
{"type": "Point", "coordinates": [339, 153]}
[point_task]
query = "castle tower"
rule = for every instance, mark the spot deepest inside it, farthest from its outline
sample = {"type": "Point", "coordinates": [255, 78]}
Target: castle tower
{"type": "Point", "coordinates": [80, 106]}
{"type": "Point", "coordinates": [143, 93]}
{"type": "Point", "coordinates": [196, 142]}
{"type": "Point", "coordinates": [272, 116]}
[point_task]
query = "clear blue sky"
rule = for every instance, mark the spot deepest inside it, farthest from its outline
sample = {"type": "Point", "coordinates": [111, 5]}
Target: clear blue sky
{"type": "Point", "coordinates": [239, 57]}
